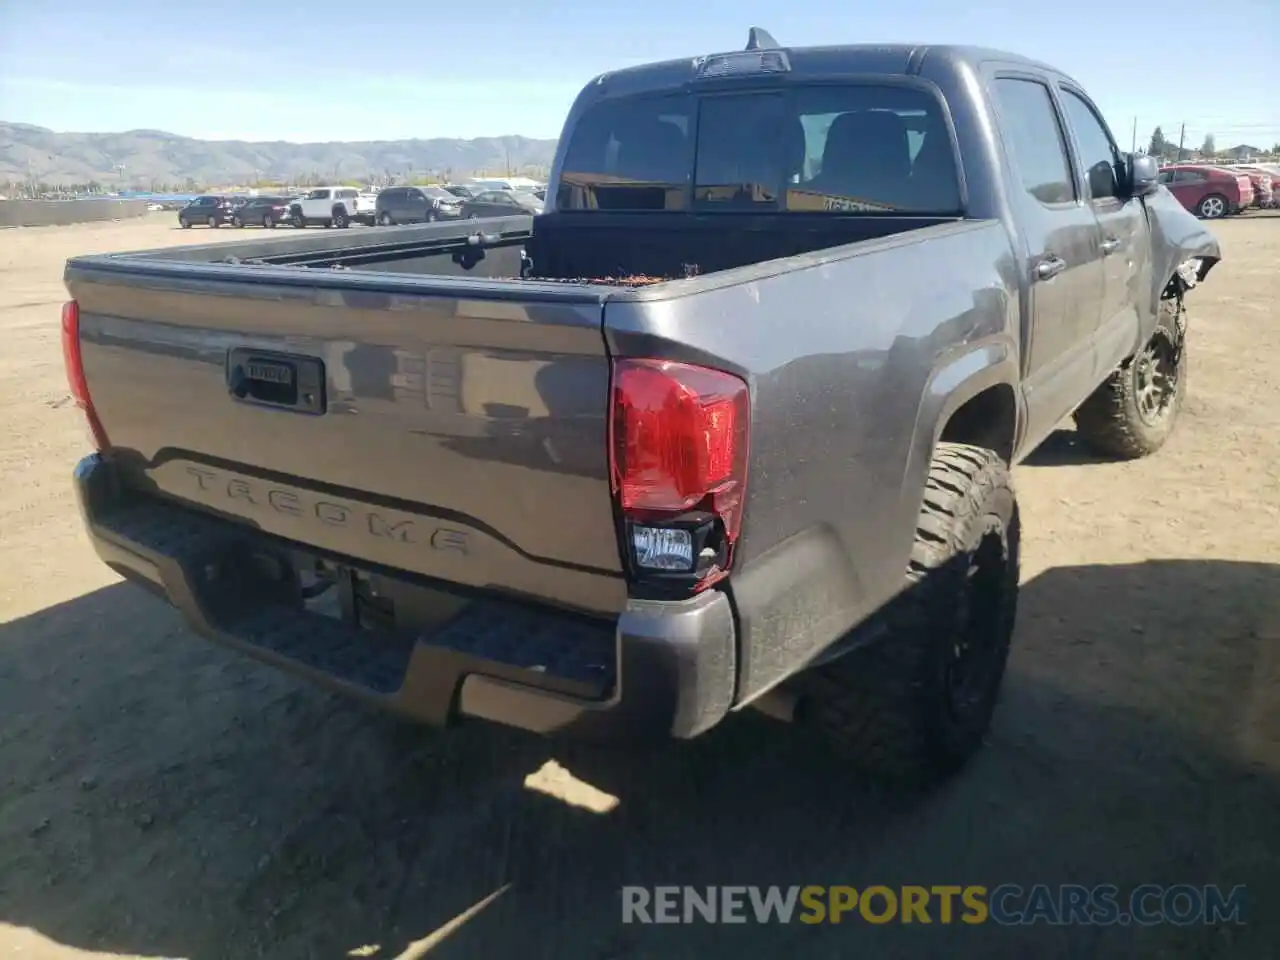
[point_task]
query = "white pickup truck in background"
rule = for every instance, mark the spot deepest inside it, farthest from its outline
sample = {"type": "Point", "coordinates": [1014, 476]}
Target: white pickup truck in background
{"type": "Point", "coordinates": [333, 207]}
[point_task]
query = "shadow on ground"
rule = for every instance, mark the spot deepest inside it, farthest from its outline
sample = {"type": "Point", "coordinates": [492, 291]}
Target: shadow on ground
{"type": "Point", "coordinates": [1063, 448]}
{"type": "Point", "coordinates": [164, 798]}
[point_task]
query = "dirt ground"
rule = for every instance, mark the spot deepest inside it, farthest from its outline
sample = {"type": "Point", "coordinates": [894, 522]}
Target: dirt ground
{"type": "Point", "coordinates": [160, 797]}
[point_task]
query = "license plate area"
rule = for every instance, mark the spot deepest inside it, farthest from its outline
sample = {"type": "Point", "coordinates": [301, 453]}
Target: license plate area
{"type": "Point", "coordinates": [281, 380]}
{"type": "Point", "coordinates": [373, 602]}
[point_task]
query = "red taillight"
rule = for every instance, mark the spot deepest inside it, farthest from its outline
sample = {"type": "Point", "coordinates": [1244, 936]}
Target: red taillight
{"type": "Point", "coordinates": [678, 465]}
{"type": "Point", "coordinates": [74, 363]}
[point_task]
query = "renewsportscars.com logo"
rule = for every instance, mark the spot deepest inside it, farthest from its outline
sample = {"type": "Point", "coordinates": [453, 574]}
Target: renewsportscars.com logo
{"type": "Point", "coordinates": [1007, 905]}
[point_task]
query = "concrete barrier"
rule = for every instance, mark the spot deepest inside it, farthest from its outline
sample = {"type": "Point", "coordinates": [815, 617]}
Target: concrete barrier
{"type": "Point", "coordinates": [49, 213]}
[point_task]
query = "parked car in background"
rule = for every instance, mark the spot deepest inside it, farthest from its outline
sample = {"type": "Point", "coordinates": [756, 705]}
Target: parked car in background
{"type": "Point", "coordinates": [459, 190]}
{"type": "Point", "coordinates": [333, 207]}
{"type": "Point", "coordinates": [262, 212]}
{"type": "Point", "coordinates": [501, 203]}
{"type": "Point", "coordinates": [497, 183]}
{"type": "Point", "coordinates": [1208, 192]}
{"type": "Point", "coordinates": [1265, 184]}
{"type": "Point", "coordinates": [416, 205]}
{"type": "Point", "coordinates": [211, 210]}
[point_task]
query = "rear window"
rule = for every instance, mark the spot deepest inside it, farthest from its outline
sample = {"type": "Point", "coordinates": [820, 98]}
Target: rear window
{"type": "Point", "coordinates": [863, 148]}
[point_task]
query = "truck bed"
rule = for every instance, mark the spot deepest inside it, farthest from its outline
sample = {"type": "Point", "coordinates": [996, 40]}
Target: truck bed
{"type": "Point", "coordinates": [613, 249]}
{"type": "Point", "coordinates": [451, 423]}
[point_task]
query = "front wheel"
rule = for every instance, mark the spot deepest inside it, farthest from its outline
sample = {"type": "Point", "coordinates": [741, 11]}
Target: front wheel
{"type": "Point", "coordinates": [268, 222]}
{"type": "Point", "coordinates": [913, 706]}
{"type": "Point", "coordinates": [185, 224]}
{"type": "Point", "coordinates": [1213, 207]}
{"type": "Point", "coordinates": [386, 219]}
{"type": "Point", "coordinates": [1133, 412]}
{"type": "Point", "coordinates": [237, 222]}
{"type": "Point", "coordinates": [212, 221]}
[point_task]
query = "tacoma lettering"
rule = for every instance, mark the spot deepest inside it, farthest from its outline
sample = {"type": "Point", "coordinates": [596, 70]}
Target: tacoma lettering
{"type": "Point", "coordinates": [327, 512]}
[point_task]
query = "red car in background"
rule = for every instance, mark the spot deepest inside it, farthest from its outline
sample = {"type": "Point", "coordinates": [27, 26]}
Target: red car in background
{"type": "Point", "coordinates": [1265, 184]}
{"type": "Point", "coordinates": [1208, 192]}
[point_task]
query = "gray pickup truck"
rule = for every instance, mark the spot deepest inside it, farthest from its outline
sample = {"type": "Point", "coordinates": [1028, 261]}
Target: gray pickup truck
{"type": "Point", "coordinates": [731, 423]}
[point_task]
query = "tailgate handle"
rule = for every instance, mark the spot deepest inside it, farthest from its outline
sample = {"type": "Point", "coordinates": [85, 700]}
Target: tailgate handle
{"type": "Point", "coordinates": [281, 380]}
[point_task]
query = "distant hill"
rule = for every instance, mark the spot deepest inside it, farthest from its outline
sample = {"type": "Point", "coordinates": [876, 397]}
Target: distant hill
{"type": "Point", "coordinates": [28, 151]}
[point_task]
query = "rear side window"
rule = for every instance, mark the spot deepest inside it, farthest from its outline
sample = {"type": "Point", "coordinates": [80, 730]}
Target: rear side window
{"type": "Point", "coordinates": [865, 148]}
{"type": "Point", "coordinates": [1033, 134]}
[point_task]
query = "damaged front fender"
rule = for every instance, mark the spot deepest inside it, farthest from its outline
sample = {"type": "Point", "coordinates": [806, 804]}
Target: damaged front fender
{"type": "Point", "coordinates": [1183, 250]}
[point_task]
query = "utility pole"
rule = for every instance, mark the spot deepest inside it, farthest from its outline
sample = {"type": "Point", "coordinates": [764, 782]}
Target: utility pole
{"type": "Point", "coordinates": [1134, 146]}
{"type": "Point", "coordinates": [1182, 135]}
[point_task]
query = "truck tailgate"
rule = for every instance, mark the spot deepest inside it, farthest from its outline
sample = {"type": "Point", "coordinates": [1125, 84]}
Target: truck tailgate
{"type": "Point", "coordinates": [457, 432]}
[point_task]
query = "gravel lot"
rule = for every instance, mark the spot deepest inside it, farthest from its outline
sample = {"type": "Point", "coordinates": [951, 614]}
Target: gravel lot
{"type": "Point", "coordinates": [162, 798]}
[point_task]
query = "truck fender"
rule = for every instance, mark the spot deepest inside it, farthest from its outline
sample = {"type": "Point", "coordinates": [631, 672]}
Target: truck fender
{"type": "Point", "coordinates": [971, 397]}
{"type": "Point", "coordinates": [1176, 236]}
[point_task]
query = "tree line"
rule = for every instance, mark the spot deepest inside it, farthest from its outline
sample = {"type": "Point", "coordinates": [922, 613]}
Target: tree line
{"type": "Point", "coordinates": [1161, 146]}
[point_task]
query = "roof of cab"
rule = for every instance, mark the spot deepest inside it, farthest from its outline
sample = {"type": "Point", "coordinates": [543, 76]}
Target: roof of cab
{"type": "Point", "coordinates": [894, 58]}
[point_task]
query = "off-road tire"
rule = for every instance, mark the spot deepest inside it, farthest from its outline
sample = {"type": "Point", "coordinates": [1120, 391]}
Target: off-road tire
{"type": "Point", "coordinates": [340, 218]}
{"type": "Point", "coordinates": [888, 707]}
{"type": "Point", "coordinates": [1112, 420]}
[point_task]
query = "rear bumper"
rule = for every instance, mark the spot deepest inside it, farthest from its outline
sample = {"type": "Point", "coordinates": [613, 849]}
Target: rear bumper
{"type": "Point", "coordinates": [662, 670]}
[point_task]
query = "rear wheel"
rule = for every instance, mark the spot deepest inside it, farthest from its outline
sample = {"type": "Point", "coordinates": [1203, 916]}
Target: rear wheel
{"type": "Point", "coordinates": [914, 706]}
{"type": "Point", "coordinates": [1134, 411]}
{"type": "Point", "coordinates": [1213, 207]}
{"type": "Point", "coordinates": [340, 218]}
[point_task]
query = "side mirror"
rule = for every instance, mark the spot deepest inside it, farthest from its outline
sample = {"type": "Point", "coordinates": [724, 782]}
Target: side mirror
{"type": "Point", "coordinates": [1144, 175]}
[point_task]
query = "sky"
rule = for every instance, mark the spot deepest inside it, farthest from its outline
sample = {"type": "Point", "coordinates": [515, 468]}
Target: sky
{"type": "Point", "coordinates": [227, 69]}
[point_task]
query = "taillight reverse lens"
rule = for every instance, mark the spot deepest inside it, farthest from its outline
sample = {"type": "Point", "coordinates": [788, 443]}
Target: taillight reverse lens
{"type": "Point", "coordinates": [679, 458]}
{"type": "Point", "coordinates": [73, 361]}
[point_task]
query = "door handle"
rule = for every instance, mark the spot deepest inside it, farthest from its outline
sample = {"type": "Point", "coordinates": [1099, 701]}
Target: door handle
{"type": "Point", "coordinates": [1110, 245]}
{"type": "Point", "coordinates": [1050, 267]}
